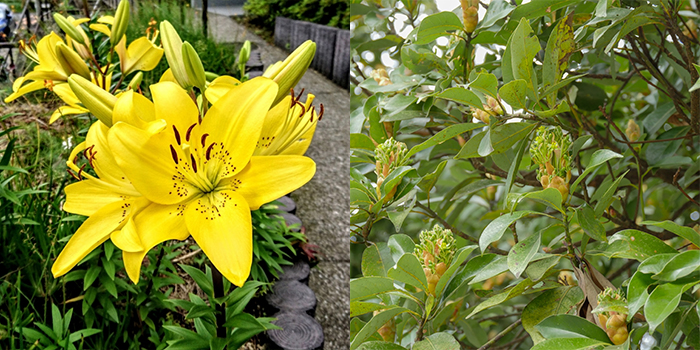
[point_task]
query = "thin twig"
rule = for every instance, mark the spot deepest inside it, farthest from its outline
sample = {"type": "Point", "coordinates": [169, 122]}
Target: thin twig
{"type": "Point", "coordinates": [186, 256]}
{"type": "Point", "coordinates": [500, 335]}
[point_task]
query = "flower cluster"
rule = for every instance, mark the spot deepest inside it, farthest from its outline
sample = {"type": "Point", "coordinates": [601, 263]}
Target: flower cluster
{"type": "Point", "coordinates": [192, 161]}
{"type": "Point", "coordinates": [435, 250]}
{"type": "Point", "coordinates": [550, 151]}
{"type": "Point", "coordinates": [491, 108]}
{"type": "Point", "coordinates": [78, 54]}
{"type": "Point", "coordinates": [381, 77]}
{"type": "Point", "coordinates": [612, 314]}
{"type": "Point", "coordinates": [389, 155]}
{"type": "Point", "coordinates": [470, 14]}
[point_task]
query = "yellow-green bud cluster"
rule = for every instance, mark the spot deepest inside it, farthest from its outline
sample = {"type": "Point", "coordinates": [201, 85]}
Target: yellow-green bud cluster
{"type": "Point", "coordinates": [612, 314]}
{"type": "Point", "coordinates": [389, 155]}
{"type": "Point", "coordinates": [381, 77]}
{"type": "Point", "coordinates": [470, 14]}
{"type": "Point", "coordinates": [633, 131]}
{"type": "Point", "coordinates": [550, 150]}
{"type": "Point", "coordinates": [435, 251]}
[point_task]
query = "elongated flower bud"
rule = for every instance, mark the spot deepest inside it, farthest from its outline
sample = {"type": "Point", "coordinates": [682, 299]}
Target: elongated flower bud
{"type": "Point", "coordinates": [68, 28]}
{"type": "Point", "coordinates": [98, 101]}
{"type": "Point", "coordinates": [71, 62]}
{"type": "Point", "coordinates": [288, 73]}
{"type": "Point", "coordinates": [470, 14]}
{"type": "Point", "coordinates": [172, 45]}
{"type": "Point", "coordinates": [193, 66]}
{"type": "Point", "coordinates": [121, 21]}
{"type": "Point", "coordinates": [136, 81]}
{"type": "Point", "coordinates": [633, 131]}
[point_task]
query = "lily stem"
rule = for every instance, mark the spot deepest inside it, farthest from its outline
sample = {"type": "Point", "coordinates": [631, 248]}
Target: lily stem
{"type": "Point", "coordinates": [220, 308]}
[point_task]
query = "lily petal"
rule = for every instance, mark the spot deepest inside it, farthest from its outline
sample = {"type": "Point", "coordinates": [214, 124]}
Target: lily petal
{"type": "Point", "coordinates": [87, 197]}
{"type": "Point", "coordinates": [66, 110]}
{"type": "Point", "coordinates": [219, 87]}
{"type": "Point", "coordinates": [136, 150]}
{"type": "Point", "coordinates": [267, 178]}
{"type": "Point", "coordinates": [154, 224]}
{"type": "Point", "coordinates": [95, 230]}
{"type": "Point", "coordinates": [220, 222]}
{"type": "Point", "coordinates": [20, 90]}
{"type": "Point", "coordinates": [236, 119]}
{"type": "Point", "coordinates": [134, 109]}
{"type": "Point", "coordinates": [174, 105]}
{"type": "Point", "coordinates": [127, 239]}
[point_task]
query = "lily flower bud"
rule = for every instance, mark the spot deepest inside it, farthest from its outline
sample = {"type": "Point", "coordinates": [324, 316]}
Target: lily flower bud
{"type": "Point", "coordinates": [136, 81]}
{"type": "Point", "coordinates": [70, 61]}
{"type": "Point", "coordinates": [193, 66]}
{"type": "Point", "coordinates": [288, 73]}
{"type": "Point", "coordinates": [172, 44]}
{"type": "Point", "coordinates": [68, 28]}
{"type": "Point", "coordinates": [121, 21]}
{"type": "Point", "coordinates": [98, 101]}
{"type": "Point", "coordinates": [243, 57]}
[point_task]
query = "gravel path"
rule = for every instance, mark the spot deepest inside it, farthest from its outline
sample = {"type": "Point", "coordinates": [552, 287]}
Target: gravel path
{"type": "Point", "coordinates": [323, 204]}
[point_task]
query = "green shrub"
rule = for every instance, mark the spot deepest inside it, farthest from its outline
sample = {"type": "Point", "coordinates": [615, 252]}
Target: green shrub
{"type": "Point", "coordinates": [333, 13]}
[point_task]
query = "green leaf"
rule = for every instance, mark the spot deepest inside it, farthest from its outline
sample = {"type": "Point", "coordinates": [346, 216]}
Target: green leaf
{"type": "Point", "coordinates": [524, 46]}
{"type": "Point", "coordinates": [442, 136]}
{"type": "Point", "coordinates": [486, 83]}
{"type": "Point", "coordinates": [658, 117]}
{"type": "Point", "coordinates": [380, 345]}
{"type": "Point", "coordinates": [697, 83]}
{"type": "Point", "coordinates": [550, 197]}
{"type": "Point", "coordinates": [437, 341]}
{"type": "Point", "coordinates": [202, 280]}
{"type": "Point", "coordinates": [475, 186]}
{"type": "Point", "coordinates": [374, 324]}
{"type": "Point", "coordinates": [598, 158]}
{"type": "Point", "coordinates": [497, 10]}
{"type": "Point", "coordinates": [637, 294]}
{"type": "Point", "coordinates": [503, 137]}
{"type": "Point", "coordinates": [569, 344]}
{"type": "Point", "coordinates": [539, 268]}
{"type": "Point", "coordinates": [471, 148]}
{"type": "Point", "coordinates": [369, 287]}
{"type": "Point", "coordinates": [56, 321]}
{"type": "Point", "coordinates": [551, 302]}
{"type": "Point", "coordinates": [657, 152]}
{"type": "Point", "coordinates": [514, 93]}
{"type": "Point", "coordinates": [495, 229]}
{"type": "Point", "coordinates": [487, 266]}
{"type": "Point", "coordinates": [437, 25]}
{"type": "Point", "coordinates": [400, 244]}
{"type": "Point", "coordinates": [589, 96]}
{"type": "Point", "coordinates": [514, 166]}
{"type": "Point", "coordinates": [633, 244]}
{"type": "Point", "coordinates": [655, 263]}
{"type": "Point", "coordinates": [607, 198]}
{"type": "Point", "coordinates": [461, 95]}
{"type": "Point", "coordinates": [503, 296]}
{"type": "Point", "coordinates": [522, 253]}
{"type": "Point", "coordinates": [570, 326]}
{"type": "Point", "coordinates": [397, 104]}
{"type": "Point", "coordinates": [663, 301]}
{"type": "Point", "coordinates": [358, 308]}
{"type": "Point", "coordinates": [539, 8]}
{"type": "Point", "coordinates": [683, 231]}
{"type": "Point", "coordinates": [560, 46]}
{"type": "Point", "coordinates": [485, 146]}
{"type": "Point", "coordinates": [372, 264]}
{"type": "Point", "coordinates": [680, 266]}
{"type": "Point", "coordinates": [409, 270]}
{"type": "Point", "coordinates": [590, 224]}
{"type": "Point", "coordinates": [460, 257]}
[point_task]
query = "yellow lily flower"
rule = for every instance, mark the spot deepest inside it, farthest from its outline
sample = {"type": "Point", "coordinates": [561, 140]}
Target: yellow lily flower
{"type": "Point", "coordinates": [201, 175]}
{"type": "Point", "coordinates": [49, 68]}
{"type": "Point", "coordinates": [289, 126]}
{"type": "Point", "coordinates": [141, 55]}
{"type": "Point", "coordinates": [101, 25]}
{"type": "Point", "coordinates": [29, 50]}
{"type": "Point", "coordinates": [109, 200]}
{"type": "Point", "coordinates": [65, 93]}
{"type": "Point", "coordinates": [84, 50]}
{"type": "Point", "coordinates": [19, 88]}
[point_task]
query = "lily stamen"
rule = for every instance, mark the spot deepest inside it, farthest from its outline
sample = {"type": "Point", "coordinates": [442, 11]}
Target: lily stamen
{"type": "Point", "coordinates": [177, 135]}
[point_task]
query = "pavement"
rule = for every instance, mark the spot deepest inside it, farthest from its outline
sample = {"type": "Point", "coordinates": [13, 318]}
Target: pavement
{"type": "Point", "coordinates": [322, 204]}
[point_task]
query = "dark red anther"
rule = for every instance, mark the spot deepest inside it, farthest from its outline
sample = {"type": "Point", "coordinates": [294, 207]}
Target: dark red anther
{"type": "Point", "coordinates": [73, 174]}
{"type": "Point", "coordinates": [303, 109]}
{"type": "Point", "coordinates": [194, 164]}
{"type": "Point", "coordinates": [293, 99]}
{"type": "Point", "coordinates": [189, 132]}
{"type": "Point", "coordinates": [209, 150]}
{"type": "Point", "coordinates": [204, 138]}
{"type": "Point", "coordinates": [301, 93]}
{"type": "Point", "coordinates": [313, 110]}
{"type": "Point", "coordinates": [320, 115]}
{"type": "Point", "coordinates": [173, 153]}
{"type": "Point", "coordinates": [177, 135]}
{"type": "Point", "coordinates": [80, 172]}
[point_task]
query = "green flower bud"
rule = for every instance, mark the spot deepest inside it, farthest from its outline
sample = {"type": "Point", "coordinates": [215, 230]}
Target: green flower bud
{"type": "Point", "coordinates": [121, 21]}
{"type": "Point", "coordinates": [71, 62]}
{"type": "Point", "coordinates": [68, 28]}
{"type": "Point", "coordinates": [172, 45]}
{"type": "Point", "coordinates": [439, 244]}
{"type": "Point", "coordinates": [288, 73]}
{"type": "Point", "coordinates": [193, 66]}
{"type": "Point", "coordinates": [136, 81]}
{"type": "Point", "coordinates": [98, 101]}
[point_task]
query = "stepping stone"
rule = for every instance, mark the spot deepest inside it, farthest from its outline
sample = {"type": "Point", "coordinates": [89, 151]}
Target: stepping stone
{"type": "Point", "coordinates": [286, 204]}
{"type": "Point", "coordinates": [291, 295]}
{"type": "Point", "coordinates": [299, 331]}
{"type": "Point", "coordinates": [297, 272]}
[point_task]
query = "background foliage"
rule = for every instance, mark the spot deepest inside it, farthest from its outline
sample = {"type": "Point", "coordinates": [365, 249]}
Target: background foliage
{"type": "Point", "coordinates": [615, 77]}
{"type": "Point", "coordinates": [262, 13]}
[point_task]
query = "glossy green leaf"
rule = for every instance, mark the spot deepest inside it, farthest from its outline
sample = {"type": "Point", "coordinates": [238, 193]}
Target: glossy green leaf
{"type": "Point", "coordinates": [380, 345]}
{"type": "Point", "coordinates": [374, 324]}
{"type": "Point", "coordinates": [571, 326]}
{"type": "Point", "coordinates": [550, 197]}
{"type": "Point", "coordinates": [522, 253]}
{"type": "Point", "coordinates": [460, 257]}
{"type": "Point", "coordinates": [514, 93]}
{"type": "Point", "coordinates": [485, 83]}
{"type": "Point", "coordinates": [657, 152]}
{"type": "Point", "coordinates": [683, 231]}
{"type": "Point", "coordinates": [679, 266]}
{"type": "Point", "coordinates": [637, 293]}
{"type": "Point", "coordinates": [524, 46]}
{"type": "Point", "coordinates": [598, 158]}
{"type": "Point", "coordinates": [503, 296]}
{"type": "Point", "coordinates": [369, 287]}
{"type": "Point", "coordinates": [539, 268]}
{"type": "Point", "coordinates": [497, 10]}
{"type": "Point", "coordinates": [634, 244]}
{"type": "Point", "coordinates": [495, 229]}
{"type": "Point", "coordinates": [569, 344]}
{"type": "Point", "coordinates": [658, 117]}
{"type": "Point", "coordinates": [503, 137]}
{"type": "Point", "coordinates": [461, 95]}
{"type": "Point", "coordinates": [437, 341]}
{"type": "Point", "coordinates": [442, 136]}
{"type": "Point", "coordinates": [590, 224]}
{"type": "Point", "coordinates": [607, 198]}
{"type": "Point", "coordinates": [437, 25]}
{"type": "Point", "coordinates": [471, 148]}
{"type": "Point", "coordinates": [400, 244]}
{"type": "Point", "coordinates": [475, 186]}
{"type": "Point", "coordinates": [556, 301]}
{"type": "Point", "coordinates": [410, 271]}
{"type": "Point", "coordinates": [663, 301]}
{"type": "Point", "coordinates": [560, 46]}
{"type": "Point", "coordinates": [372, 264]}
